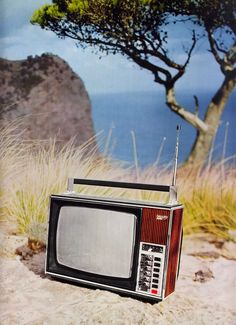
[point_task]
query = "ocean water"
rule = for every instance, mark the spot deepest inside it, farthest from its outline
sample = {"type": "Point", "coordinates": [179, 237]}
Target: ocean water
{"type": "Point", "coordinates": [154, 126]}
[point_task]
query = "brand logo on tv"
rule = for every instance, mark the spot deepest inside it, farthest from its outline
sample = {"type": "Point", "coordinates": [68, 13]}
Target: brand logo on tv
{"type": "Point", "coordinates": [160, 217]}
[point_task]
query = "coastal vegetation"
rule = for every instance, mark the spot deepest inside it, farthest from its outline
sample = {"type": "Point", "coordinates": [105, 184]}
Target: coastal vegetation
{"type": "Point", "coordinates": [31, 171]}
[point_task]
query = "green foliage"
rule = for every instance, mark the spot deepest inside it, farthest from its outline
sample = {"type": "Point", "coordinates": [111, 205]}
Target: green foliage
{"type": "Point", "coordinates": [45, 13]}
{"type": "Point", "coordinates": [117, 25]}
{"type": "Point", "coordinates": [215, 13]}
{"type": "Point", "coordinates": [106, 24]}
{"type": "Point", "coordinates": [77, 7]}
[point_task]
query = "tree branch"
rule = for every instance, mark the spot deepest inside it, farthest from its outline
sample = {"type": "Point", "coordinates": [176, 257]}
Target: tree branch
{"type": "Point", "coordinates": [196, 104]}
{"type": "Point", "coordinates": [149, 66]}
{"type": "Point", "coordinates": [191, 118]}
{"type": "Point", "coordinates": [154, 52]}
{"type": "Point", "coordinates": [213, 49]}
{"type": "Point", "coordinates": [181, 71]}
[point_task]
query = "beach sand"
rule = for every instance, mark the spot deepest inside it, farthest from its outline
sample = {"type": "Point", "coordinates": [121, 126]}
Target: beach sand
{"type": "Point", "coordinates": [205, 292]}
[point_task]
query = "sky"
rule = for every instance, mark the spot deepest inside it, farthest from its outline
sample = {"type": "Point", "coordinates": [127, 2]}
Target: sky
{"type": "Point", "coordinates": [110, 74]}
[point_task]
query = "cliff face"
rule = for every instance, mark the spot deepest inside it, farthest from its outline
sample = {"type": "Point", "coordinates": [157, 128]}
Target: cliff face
{"type": "Point", "coordinates": [49, 96]}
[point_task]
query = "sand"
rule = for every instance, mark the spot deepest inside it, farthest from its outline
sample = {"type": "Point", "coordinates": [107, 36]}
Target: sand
{"type": "Point", "coordinates": [205, 293]}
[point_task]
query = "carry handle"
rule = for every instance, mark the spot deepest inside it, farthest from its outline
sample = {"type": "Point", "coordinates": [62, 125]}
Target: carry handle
{"type": "Point", "coordinates": [171, 189]}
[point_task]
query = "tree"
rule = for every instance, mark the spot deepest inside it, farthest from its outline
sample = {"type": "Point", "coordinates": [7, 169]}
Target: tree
{"type": "Point", "coordinates": [139, 30]}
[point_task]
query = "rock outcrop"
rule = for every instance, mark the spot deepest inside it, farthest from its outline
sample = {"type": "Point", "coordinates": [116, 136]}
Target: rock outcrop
{"type": "Point", "coordinates": [48, 97]}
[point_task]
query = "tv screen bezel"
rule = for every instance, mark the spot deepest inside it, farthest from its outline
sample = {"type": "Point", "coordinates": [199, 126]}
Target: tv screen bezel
{"type": "Point", "coordinates": [54, 267]}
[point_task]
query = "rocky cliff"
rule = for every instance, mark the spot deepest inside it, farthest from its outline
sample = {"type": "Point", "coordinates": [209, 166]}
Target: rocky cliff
{"type": "Point", "coordinates": [49, 96]}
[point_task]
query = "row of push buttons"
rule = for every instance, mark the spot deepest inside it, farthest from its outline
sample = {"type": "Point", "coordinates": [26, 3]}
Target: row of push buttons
{"type": "Point", "coordinates": [155, 277]}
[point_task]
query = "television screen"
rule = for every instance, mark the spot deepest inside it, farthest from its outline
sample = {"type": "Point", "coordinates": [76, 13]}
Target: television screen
{"type": "Point", "coordinates": [96, 240]}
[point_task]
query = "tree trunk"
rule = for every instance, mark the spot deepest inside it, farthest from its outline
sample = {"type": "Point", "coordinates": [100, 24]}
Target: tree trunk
{"type": "Point", "coordinates": [203, 142]}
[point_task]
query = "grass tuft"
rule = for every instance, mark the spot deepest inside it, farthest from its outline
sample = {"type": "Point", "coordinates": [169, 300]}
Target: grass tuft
{"type": "Point", "coordinates": [210, 201]}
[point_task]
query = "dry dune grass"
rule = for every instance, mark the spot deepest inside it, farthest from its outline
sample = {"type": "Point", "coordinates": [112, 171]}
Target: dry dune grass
{"type": "Point", "coordinates": [210, 200]}
{"type": "Point", "coordinates": [30, 172]}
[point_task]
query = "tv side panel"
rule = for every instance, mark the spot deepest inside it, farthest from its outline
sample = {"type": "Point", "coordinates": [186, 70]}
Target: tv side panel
{"type": "Point", "coordinates": [155, 224]}
{"type": "Point", "coordinates": [174, 251]}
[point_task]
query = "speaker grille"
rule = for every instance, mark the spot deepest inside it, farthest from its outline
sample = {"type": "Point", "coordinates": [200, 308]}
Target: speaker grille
{"type": "Point", "coordinates": [155, 224]}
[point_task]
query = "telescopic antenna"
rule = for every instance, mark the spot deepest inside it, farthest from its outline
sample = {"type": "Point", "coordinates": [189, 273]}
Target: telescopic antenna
{"type": "Point", "coordinates": [178, 128]}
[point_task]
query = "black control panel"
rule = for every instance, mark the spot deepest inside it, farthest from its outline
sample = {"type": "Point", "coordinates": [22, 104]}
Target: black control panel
{"type": "Point", "coordinates": [150, 270]}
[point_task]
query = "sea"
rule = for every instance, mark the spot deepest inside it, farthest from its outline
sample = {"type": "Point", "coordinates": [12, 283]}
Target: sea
{"type": "Point", "coordinates": [139, 127]}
